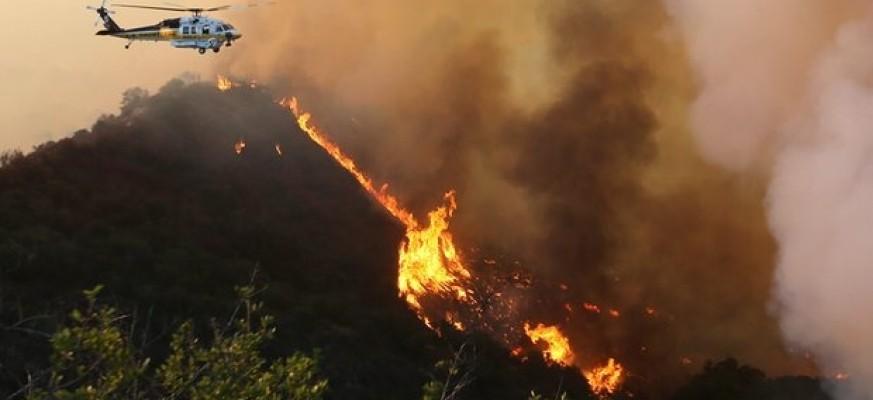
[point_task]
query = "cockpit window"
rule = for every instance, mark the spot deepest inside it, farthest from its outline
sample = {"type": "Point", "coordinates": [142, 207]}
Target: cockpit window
{"type": "Point", "coordinates": [219, 29]}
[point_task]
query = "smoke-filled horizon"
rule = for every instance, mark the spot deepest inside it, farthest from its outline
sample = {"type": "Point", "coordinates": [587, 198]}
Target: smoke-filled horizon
{"type": "Point", "coordinates": [789, 91]}
{"type": "Point", "coordinates": [562, 125]}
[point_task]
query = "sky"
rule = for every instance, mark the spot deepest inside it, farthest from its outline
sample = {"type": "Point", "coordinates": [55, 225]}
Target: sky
{"type": "Point", "coordinates": [57, 76]}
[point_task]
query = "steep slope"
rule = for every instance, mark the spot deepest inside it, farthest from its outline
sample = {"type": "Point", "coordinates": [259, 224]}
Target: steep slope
{"type": "Point", "coordinates": [163, 205]}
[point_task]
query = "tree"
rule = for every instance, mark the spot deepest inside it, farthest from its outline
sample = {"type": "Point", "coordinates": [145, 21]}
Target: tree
{"type": "Point", "coordinates": [92, 359]}
{"type": "Point", "coordinates": [726, 380]}
{"type": "Point", "coordinates": [457, 373]}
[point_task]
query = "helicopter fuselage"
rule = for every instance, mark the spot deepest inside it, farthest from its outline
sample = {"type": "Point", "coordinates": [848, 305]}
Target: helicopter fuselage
{"type": "Point", "coordinates": [193, 32]}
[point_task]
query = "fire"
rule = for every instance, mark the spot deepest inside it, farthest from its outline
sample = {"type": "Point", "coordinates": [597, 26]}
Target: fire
{"type": "Point", "coordinates": [429, 263]}
{"type": "Point", "coordinates": [557, 345]}
{"type": "Point", "coordinates": [239, 146]}
{"type": "Point", "coordinates": [223, 83]}
{"type": "Point", "coordinates": [606, 379]}
{"type": "Point", "coordinates": [603, 380]}
{"type": "Point", "coordinates": [304, 120]}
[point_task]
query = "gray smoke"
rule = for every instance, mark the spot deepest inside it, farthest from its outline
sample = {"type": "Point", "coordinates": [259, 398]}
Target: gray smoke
{"type": "Point", "coordinates": [561, 125]}
{"type": "Point", "coordinates": [787, 88]}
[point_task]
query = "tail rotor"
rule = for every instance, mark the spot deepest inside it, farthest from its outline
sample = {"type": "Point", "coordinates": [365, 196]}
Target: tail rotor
{"type": "Point", "coordinates": [104, 16]}
{"type": "Point", "coordinates": [102, 7]}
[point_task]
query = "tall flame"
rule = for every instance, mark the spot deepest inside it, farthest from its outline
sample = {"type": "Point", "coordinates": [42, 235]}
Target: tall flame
{"type": "Point", "coordinates": [557, 345]}
{"type": "Point", "coordinates": [429, 263]}
{"type": "Point", "coordinates": [605, 380]}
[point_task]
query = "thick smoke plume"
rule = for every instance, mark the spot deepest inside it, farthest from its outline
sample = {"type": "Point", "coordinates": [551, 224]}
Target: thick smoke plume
{"type": "Point", "coordinates": [561, 125]}
{"type": "Point", "coordinates": [786, 87]}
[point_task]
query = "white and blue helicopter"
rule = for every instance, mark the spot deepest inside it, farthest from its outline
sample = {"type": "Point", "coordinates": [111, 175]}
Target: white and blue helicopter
{"type": "Point", "coordinates": [192, 32]}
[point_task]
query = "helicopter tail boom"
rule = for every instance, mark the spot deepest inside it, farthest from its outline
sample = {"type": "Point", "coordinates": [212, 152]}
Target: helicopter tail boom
{"type": "Point", "coordinates": [108, 23]}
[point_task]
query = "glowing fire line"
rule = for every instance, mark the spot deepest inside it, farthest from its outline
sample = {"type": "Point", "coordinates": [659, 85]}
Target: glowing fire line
{"type": "Point", "coordinates": [603, 380]}
{"type": "Point", "coordinates": [429, 263]}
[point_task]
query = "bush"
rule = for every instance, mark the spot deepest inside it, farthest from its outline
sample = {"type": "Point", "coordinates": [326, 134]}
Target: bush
{"type": "Point", "coordinates": [93, 359]}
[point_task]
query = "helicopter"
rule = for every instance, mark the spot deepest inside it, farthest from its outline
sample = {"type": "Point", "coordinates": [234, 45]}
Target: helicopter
{"type": "Point", "coordinates": [192, 32]}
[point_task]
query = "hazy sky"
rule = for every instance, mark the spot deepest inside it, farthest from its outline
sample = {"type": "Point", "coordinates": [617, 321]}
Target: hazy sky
{"type": "Point", "coordinates": [57, 76]}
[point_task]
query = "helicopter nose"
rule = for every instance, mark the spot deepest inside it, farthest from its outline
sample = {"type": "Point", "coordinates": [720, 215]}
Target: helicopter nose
{"type": "Point", "coordinates": [236, 35]}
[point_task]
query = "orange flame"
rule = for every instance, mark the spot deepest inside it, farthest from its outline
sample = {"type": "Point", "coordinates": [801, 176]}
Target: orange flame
{"type": "Point", "coordinates": [591, 308]}
{"type": "Point", "coordinates": [606, 379]}
{"type": "Point", "coordinates": [239, 146]}
{"type": "Point", "coordinates": [429, 263]}
{"type": "Point", "coordinates": [304, 119]}
{"type": "Point", "coordinates": [557, 345]}
{"type": "Point", "coordinates": [223, 83]}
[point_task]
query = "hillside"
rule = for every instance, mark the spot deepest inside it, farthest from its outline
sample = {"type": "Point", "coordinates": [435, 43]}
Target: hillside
{"type": "Point", "coordinates": [162, 205]}
{"type": "Point", "coordinates": [156, 204]}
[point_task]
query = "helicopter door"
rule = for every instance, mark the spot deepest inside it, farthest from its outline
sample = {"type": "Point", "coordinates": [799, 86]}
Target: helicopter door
{"type": "Point", "coordinates": [206, 30]}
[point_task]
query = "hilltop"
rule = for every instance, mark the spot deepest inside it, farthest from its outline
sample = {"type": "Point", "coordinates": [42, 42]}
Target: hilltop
{"type": "Point", "coordinates": [162, 205]}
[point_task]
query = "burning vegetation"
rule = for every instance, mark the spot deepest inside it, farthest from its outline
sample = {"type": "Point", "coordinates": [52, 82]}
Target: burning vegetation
{"type": "Point", "coordinates": [556, 345]}
{"type": "Point", "coordinates": [223, 83]}
{"type": "Point", "coordinates": [431, 267]}
{"type": "Point", "coordinates": [239, 146]}
{"type": "Point", "coordinates": [429, 263]}
{"type": "Point", "coordinates": [285, 206]}
{"type": "Point", "coordinates": [605, 380]}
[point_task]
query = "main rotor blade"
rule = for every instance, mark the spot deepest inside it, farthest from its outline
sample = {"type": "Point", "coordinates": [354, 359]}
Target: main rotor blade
{"type": "Point", "coordinates": [252, 4]}
{"type": "Point", "coordinates": [95, 9]}
{"type": "Point", "coordinates": [182, 9]}
{"type": "Point", "coordinates": [156, 8]}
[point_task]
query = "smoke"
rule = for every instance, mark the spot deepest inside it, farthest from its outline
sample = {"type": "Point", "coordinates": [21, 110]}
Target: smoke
{"type": "Point", "coordinates": [788, 85]}
{"type": "Point", "coordinates": [560, 123]}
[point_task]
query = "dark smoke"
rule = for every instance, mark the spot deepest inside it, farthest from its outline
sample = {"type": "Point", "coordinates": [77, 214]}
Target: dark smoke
{"type": "Point", "coordinates": [560, 125]}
